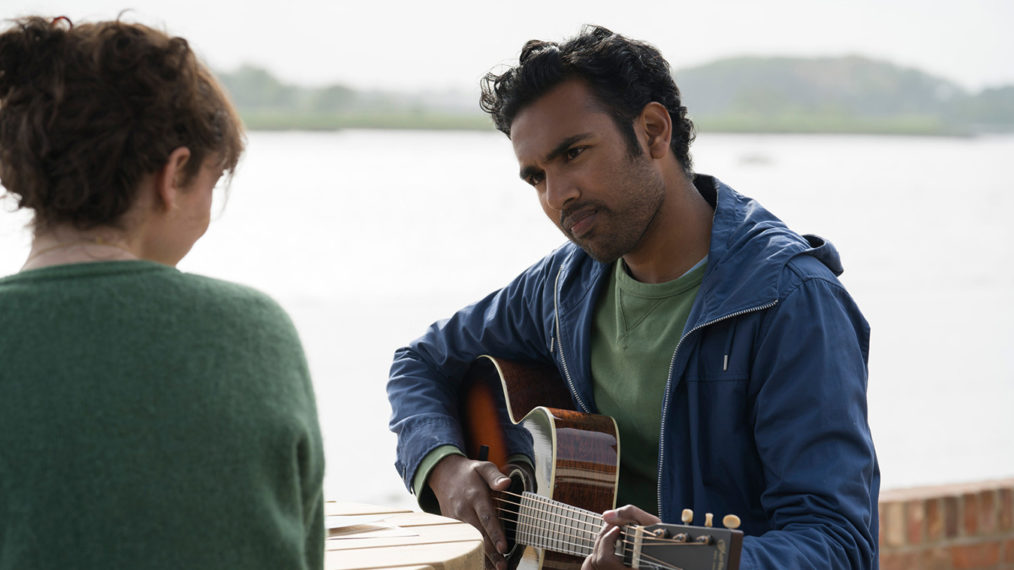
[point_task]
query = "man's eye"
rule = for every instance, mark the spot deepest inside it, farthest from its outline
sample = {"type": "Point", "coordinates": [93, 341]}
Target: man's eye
{"type": "Point", "coordinates": [535, 179]}
{"type": "Point", "coordinates": [573, 152]}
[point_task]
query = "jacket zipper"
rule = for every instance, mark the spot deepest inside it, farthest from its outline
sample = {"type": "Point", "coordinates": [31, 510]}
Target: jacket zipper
{"type": "Point", "coordinates": [668, 383]}
{"type": "Point", "coordinates": [559, 343]}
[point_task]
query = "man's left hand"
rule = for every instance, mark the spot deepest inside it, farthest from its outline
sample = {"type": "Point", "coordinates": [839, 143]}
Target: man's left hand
{"type": "Point", "coordinates": [604, 556]}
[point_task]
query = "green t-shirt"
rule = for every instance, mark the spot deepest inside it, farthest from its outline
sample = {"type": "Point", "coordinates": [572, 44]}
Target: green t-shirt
{"type": "Point", "coordinates": [636, 330]}
{"type": "Point", "coordinates": [153, 419]}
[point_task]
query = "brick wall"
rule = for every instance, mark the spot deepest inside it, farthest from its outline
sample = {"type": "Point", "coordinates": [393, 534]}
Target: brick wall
{"type": "Point", "coordinates": [948, 527]}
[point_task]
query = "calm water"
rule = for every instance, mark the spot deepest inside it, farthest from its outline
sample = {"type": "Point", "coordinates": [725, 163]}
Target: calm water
{"type": "Point", "coordinates": [365, 237]}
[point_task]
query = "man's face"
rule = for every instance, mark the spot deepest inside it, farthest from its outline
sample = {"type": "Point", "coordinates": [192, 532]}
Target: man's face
{"type": "Point", "coordinates": [570, 149]}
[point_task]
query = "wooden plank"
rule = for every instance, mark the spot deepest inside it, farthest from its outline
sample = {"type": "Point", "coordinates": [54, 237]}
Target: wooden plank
{"type": "Point", "coordinates": [401, 539]}
{"type": "Point", "coordinates": [412, 567]}
{"type": "Point", "coordinates": [406, 519]}
{"type": "Point", "coordinates": [370, 537]}
{"type": "Point", "coordinates": [462, 555]}
{"type": "Point", "coordinates": [412, 519]}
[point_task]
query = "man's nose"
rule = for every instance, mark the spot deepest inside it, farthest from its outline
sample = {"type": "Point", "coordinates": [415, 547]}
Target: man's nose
{"type": "Point", "coordinates": [560, 190]}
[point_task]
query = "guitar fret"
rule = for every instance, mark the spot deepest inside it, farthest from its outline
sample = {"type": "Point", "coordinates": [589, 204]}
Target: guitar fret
{"type": "Point", "coordinates": [527, 530]}
{"type": "Point", "coordinates": [554, 539]}
{"type": "Point", "coordinates": [561, 545]}
{"type": "Point", "coordinates": [592, 524]}
{"type": "Point", "coordinates": [562, 541]}
{"type": "Point", "coordinates": [554, 532]}
{"type": "Point", "coordinates": [582, 536]}
{"type": "Point", "coordinates": [552, 528]}
{"type": "Point", "coordinates": [523, 522]}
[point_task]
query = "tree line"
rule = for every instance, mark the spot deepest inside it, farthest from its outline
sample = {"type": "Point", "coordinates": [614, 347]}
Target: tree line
{"type": "Point", "coordinates": [847, 94]}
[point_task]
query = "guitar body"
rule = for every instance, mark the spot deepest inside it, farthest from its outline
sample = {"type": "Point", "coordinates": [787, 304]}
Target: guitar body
{"type": "Point", "coordinates": [576, 455]}
{"type": "Point", "coordinates": [553, 516]}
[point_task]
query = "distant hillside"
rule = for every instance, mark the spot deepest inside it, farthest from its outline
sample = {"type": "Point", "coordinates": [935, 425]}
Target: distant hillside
{"type": "Point", "coordinates": [746, 94]}
{"type": "Point", "coordinates": [268, 103]}
{"type": "Point", "coordinates": [843, 94]}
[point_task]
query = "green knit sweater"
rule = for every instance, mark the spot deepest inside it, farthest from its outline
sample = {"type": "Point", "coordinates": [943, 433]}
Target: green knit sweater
{"type": "Point", "coordinates": [153, 419]}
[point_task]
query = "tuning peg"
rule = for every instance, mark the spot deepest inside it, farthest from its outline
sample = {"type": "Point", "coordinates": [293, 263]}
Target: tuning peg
{"type": "Point", "coordinates": [688, 516]}
{"type": "Point", "coordinates": [731, 521]}
{"type": "Point", "coordinates": [707, 519]}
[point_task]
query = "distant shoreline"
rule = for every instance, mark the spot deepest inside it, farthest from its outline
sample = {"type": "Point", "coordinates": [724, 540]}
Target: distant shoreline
{"type": "Point", "coordinates": [893, 126]}
{"type": "Point", "coordinates": [837, 95]}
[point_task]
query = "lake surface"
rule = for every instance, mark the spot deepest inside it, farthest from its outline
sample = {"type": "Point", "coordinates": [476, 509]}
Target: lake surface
{"type": "Point", "coordinates": [366, 237]}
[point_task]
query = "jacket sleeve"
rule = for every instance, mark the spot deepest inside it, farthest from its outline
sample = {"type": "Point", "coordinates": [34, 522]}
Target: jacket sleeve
{"type": "Point", "coordinates": [425, 375]}
{"type": "Point", "coordinates": [811, 431]}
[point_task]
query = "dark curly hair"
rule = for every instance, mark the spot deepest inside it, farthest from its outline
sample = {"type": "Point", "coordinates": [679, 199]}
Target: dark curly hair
{"type": "Point", "coordinates": [86, 111]}
{"type": "Point", "coordinates": [624, 74]}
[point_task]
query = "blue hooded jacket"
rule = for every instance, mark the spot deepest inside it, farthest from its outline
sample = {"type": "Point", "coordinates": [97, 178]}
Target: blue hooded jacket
{"type": "Point", "coordinates": [764, 413]}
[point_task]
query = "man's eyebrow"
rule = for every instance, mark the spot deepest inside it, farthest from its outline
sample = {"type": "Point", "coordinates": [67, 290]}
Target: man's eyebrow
{"type": "Point", "coordinates": [555, 153]}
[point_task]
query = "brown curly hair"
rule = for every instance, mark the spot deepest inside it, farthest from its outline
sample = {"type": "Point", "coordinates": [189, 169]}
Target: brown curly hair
{"type": "Point", "coordinates": [86, 111]}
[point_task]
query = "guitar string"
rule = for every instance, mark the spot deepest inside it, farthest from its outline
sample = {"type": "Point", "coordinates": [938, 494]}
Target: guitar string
{"type": "Point", "coordinates": [588, 540]}
{"type": "Point", "coordinates": [559, 538]}
{"type": "Point", "coordinates": [648, 539]}
{"type": "Point", "coordinates": [627, 545]}
{"type": "Point", "coordinates": [537, 500]}
{"type": "Point", "coordinates": [555, 506]}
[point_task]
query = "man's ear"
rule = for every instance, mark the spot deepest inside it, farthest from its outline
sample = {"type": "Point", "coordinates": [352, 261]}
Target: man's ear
{"type": "Point", "coordinates": [169, 180]}
{"type": "Point", "coordinates": [657, 125]}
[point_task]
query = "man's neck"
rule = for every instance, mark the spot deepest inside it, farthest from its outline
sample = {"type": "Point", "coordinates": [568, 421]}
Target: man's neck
{"type": "Point", "coordinates": [678, 237]}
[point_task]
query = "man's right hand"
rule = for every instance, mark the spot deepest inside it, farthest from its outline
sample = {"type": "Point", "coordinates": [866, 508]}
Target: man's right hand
{"type": "Point", "coordinates": [462, 487]}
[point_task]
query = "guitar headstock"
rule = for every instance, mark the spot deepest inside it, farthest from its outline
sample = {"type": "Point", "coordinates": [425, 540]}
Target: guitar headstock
{"type": "Point", "coordinates": [683, 546]}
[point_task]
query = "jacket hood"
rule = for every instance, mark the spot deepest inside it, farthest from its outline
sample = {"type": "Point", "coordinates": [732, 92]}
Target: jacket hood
{"type": "Point", "coordinates": [744, 232]}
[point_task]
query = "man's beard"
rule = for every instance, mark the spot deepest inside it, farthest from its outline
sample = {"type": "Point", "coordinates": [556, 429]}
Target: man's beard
{"type": "Point", "coordinates": [617, 233]}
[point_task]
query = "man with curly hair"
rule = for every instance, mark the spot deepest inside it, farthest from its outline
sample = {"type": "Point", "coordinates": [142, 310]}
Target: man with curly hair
{"type": "Point", "coordinates": [722, 343]}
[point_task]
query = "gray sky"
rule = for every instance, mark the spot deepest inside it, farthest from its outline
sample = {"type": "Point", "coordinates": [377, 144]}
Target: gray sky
{"type": "Point", "coordinates": [440, 44]}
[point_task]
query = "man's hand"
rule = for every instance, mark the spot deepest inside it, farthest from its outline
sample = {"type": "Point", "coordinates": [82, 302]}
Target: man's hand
{"type": "Point", "coordinates": [462, 487]}
{"type": "Point", "coordinates": [604, 557]}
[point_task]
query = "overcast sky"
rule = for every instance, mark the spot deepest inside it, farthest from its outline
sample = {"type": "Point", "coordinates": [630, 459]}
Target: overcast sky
{"type": "Point", "coordinates": [435, 45]}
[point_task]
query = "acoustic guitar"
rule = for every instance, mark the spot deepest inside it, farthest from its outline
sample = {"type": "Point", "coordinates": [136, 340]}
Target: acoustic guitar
{"type": "Point", "coordinates": [511, 409]}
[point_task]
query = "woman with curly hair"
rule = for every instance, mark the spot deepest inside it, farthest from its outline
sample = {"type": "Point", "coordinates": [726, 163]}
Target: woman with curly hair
{"type": "Point", "coordinates": [148, 417]}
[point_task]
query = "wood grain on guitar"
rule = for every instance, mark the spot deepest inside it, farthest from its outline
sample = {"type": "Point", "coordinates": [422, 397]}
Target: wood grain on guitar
{"type": "Point", "coordinates": [511, 409]}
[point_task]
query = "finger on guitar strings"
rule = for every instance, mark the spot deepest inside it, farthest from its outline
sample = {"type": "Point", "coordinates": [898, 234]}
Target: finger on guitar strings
{"type": "Point", "coordinates": [486, 511]}
{"type": "Point", "coordinates": [629, 514]}
{"type": "Point", "coordinates": [492, 536]}
{"type": "Point", "coordinates": [463, 490]}
{"type": "Point", "coordinates": [603, 556]}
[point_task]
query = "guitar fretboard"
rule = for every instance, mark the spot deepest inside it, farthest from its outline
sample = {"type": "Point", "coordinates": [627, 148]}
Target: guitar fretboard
{"type": "Point", "coordinates": [545, 523]}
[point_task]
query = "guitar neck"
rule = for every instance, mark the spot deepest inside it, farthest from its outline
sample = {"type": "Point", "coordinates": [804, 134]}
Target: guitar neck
{"type": "Point", "coordinates": [552, 525]}
{"type": "Point", "coordinates": [540, 522]}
